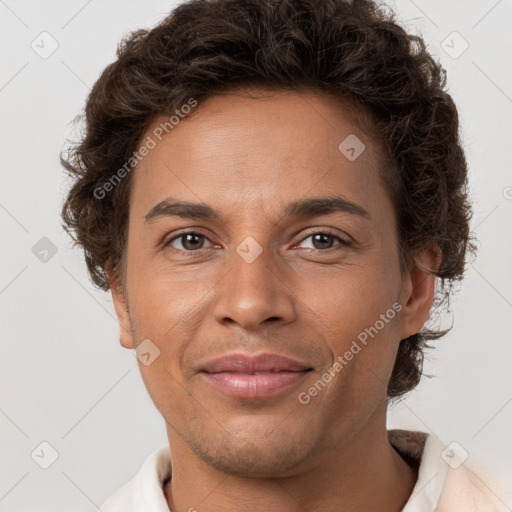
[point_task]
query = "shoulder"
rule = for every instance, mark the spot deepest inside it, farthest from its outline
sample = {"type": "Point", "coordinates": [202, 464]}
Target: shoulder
{"type": "Point", "coordinates": [449, 479]}
{"type": "Point", "coordinates": [471, 485]}
{"type": "Point", "coordinates": [144, 492]}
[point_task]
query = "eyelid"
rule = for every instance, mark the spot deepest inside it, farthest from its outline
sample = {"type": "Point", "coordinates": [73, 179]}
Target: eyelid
{"type": "Point", "coordinates": [329, 232]}
{"type": "Point", "coordinates": [187, 231]}
{"type": "Point", "coordinates": [198, 231]}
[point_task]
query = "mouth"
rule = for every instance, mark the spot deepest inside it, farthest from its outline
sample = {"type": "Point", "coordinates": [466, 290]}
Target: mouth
{"type": "Point", "coordinates": [243, 376]}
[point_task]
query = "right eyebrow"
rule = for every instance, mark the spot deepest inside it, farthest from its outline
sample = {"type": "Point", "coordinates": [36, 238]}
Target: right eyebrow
{"type": "Point", "coordinates": [170, 208]}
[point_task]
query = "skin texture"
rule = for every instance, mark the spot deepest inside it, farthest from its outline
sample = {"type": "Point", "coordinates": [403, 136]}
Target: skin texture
{"type": "Point", "coordinates": [247, 158]}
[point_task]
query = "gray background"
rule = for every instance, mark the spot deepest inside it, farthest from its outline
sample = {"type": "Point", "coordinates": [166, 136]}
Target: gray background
{"type": "Point", "coordinates": [65, 379]}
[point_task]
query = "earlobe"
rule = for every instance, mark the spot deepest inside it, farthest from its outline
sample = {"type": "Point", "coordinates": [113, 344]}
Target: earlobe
{"type": "Point", "coordinates": [121, 307]}
{"type": "Point", "coordinates": [418, 290]}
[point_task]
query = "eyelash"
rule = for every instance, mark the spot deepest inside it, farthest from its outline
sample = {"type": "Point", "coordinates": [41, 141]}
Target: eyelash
{"type": "Point", "coordinates": [167, 245]}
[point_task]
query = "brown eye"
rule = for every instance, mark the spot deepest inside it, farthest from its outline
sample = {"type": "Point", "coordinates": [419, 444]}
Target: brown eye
{"type": "Point", "coordinates": [322, 240]}
{"type": "Point", "coordinates": [190, 241]}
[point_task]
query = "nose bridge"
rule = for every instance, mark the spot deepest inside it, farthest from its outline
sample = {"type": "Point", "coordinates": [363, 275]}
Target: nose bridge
{"type": "Point", "coordinates": [252, 291]}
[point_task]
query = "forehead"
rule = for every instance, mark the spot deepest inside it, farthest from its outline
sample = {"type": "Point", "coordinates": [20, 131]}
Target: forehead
{"type": "Point", "coordinates": [252, 146]}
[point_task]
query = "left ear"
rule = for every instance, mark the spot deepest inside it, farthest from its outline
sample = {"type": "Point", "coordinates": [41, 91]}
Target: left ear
{"type": "Point", "coordinates": [418, 290]}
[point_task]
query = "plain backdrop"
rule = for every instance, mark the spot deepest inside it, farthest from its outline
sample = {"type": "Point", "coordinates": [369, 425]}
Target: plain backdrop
{"type": "Point", "coordinates": [64, 378]}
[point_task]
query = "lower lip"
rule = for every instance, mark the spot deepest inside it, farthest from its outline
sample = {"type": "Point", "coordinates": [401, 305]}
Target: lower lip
{"type": "Point", "coordinates": [244, 385]}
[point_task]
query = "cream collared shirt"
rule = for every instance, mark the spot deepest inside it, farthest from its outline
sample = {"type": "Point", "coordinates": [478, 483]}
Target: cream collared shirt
{"type": "Point", "coordinates": [446, 483]}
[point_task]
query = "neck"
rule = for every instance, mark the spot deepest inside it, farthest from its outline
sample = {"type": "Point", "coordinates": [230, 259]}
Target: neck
{"type": "Point", "coordinates": [361, 473]}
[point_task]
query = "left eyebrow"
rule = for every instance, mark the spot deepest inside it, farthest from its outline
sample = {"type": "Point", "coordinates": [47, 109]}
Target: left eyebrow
{"type": "Point", "coordinates": [314, 207]}
{"type": "Point", "coordinates": [310, 207]}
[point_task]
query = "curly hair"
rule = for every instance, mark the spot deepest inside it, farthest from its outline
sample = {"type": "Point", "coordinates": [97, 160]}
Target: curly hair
{"type": "Point", "coordinates": [352, 50]}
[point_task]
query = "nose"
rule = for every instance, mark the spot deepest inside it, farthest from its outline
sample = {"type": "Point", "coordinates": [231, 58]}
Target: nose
{"type": "Point", "coordinates": [255, 293]}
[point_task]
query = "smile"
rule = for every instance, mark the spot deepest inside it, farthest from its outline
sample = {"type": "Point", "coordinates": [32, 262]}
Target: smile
{"type": "Point", "coordinates": [254, 384]}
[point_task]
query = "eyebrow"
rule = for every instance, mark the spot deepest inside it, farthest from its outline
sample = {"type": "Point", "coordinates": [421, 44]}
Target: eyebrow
{"type": "Point", "coordinates": [311, 207]}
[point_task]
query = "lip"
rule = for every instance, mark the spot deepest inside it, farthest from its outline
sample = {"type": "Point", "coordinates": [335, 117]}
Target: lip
{"type": "Point", "coordinates": [238, 362]}
{"type": "Point", "coordinates": [247, 376]}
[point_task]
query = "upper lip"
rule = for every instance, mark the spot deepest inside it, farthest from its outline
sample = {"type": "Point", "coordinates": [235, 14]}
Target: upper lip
{"type": "Point", "coordinates": [244, 363]}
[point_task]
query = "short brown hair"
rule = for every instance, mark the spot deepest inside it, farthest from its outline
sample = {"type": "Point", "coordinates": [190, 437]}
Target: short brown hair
{"type": "Point", "coordinates": [352, 50]}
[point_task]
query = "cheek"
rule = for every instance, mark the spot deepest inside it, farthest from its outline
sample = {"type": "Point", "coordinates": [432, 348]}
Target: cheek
{"type": "Point", "coordinates": [363, 345]}
{"type": "Point", "coordinates": [163, 296]}
{"type": "Point", "coordinates": [161, 311]}
{"type": "Point", "coordinates": [352, 300]}
{"type": "Point", "coordinates": [359, 315]}
{"type": "Point", "coordinates": [167, 308]}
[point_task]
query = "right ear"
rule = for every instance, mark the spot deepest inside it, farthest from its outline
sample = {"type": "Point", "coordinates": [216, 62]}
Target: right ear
{"type": "Point", "coordinates": [121, 307]}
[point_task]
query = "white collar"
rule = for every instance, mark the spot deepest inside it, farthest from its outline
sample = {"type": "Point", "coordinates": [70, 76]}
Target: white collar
{"type": "Point", "coordinates": [144, 492]}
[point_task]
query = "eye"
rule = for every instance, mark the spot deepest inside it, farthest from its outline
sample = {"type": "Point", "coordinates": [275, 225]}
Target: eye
{"type": "Point", "coordinates": [190, 241]}
{"type": "Point", "coordinates": [323, 240]}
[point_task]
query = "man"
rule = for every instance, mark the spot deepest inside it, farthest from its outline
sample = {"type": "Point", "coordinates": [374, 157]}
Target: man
{"type": "Point", "coordinates": [270, 190]}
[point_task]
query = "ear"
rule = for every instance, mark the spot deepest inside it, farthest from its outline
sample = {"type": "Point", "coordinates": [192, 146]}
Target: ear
{"type": "Point", "coordinates": [121, 307]}
{"type": "Point", "coordinates": [418, 290]}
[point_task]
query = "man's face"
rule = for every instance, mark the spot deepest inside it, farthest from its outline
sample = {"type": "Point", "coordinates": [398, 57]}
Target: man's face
{"type": "Point", "coordinates": [257, 279]}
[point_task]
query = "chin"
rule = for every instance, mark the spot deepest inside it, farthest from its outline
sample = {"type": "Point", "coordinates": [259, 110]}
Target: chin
{"type": "Point", "coordinates": [249, 453]}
